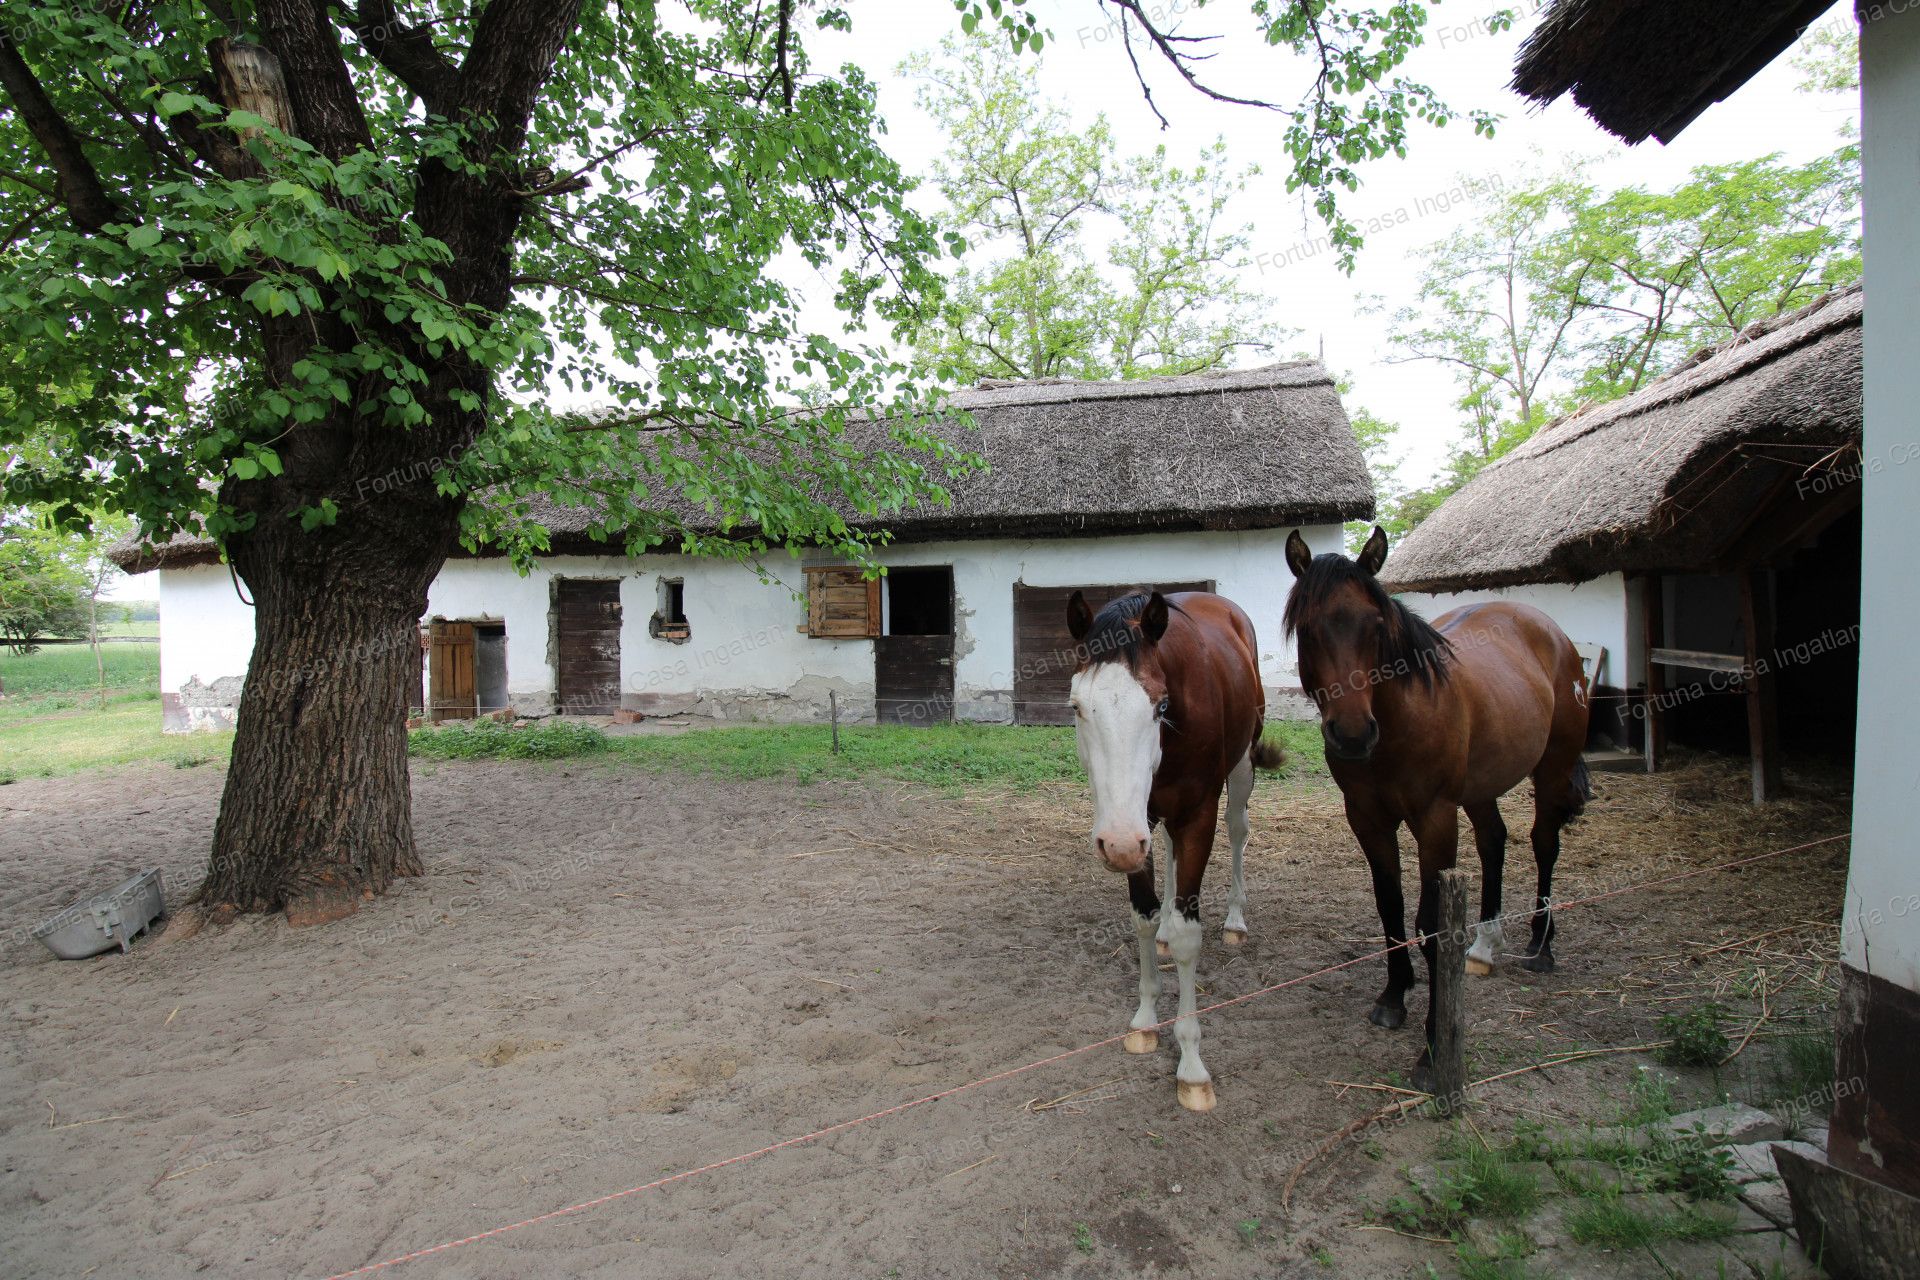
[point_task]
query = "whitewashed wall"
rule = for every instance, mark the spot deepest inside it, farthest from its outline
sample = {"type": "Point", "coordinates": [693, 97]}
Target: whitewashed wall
{"type": "Point", "coordinates": [1604, 611]}
{"type": "Point", "coordinates": [747, 658]}
{"type": "Point", "coordinates": [206, 638]}
{"type": "Point", "coordinates": [1881, 933]}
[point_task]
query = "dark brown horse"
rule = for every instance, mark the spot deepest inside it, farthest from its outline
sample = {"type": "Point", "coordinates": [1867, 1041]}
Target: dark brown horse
{"type": "Point", "coordinates": [1421, 721]}
{"type": "Point", "coordinates": [1168, 709]}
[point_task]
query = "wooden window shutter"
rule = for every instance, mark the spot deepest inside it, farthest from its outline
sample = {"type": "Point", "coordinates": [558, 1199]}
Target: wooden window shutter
{"type": "Point", "coordinates": [842, 603]}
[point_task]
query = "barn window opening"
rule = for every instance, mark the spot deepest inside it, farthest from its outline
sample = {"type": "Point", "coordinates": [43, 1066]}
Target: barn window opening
{"type": "Point", "coordinates": [920, 601]}
{"type": "Point", "coordinates": [670, 619]}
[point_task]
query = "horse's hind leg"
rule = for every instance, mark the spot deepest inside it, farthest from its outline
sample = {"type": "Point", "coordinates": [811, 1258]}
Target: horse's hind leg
{"type": "Point", "coordinates": [1161, 940]}
{"type": "Point", "coordinates": [1239, 788]}
{"type": "Point", "coordinates": [1559, 793]}
{"type": "Point", "coordinates": [1490, 838]}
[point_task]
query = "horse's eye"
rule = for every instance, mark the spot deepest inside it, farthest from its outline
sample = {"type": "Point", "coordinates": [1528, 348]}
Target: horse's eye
{"type": "Point", "coordinates": [1161, 710]}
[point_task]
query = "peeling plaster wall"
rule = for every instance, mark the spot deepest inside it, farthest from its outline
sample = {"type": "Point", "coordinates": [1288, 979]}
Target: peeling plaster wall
{"type": "Point", "coordinates": [206, 639]}
{"type": "Point", "coordinates": [747, 658]}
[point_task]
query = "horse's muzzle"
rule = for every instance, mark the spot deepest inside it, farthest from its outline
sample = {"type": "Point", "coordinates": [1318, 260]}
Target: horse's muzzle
{"type": "Point", "coordinates": [1357, 747]}
{"type": "Point", "coordinates": [1123, 856]}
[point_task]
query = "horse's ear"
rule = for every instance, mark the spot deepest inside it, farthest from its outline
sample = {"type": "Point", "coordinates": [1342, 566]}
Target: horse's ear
{"type": "Point", "coordinates": [1299, 554]}
{"type": "Point", "coordinates": [1153, 618]}
{"type": "Point", "coordinates": [1079, 617]}
{"type": "Point", "coordinates": [1374, 554]}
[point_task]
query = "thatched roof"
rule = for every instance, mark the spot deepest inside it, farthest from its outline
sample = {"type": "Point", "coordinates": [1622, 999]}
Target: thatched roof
{"type": "Point", "coordinates": [1647, 68]}
{"type": "Point", "coordinates": [1249, 449]}
{"type": "Point", "coordinates": [1665, 479]}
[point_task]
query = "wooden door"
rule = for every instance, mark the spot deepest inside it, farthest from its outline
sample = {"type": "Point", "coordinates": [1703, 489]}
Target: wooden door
{"type": "Point", "coordinates": [450, 669]}
{"type": "Point", "coordinates": [587, 631]}
{"type": "Point", "coordinates": [1044, 654]}
{"type": "Point", "coordinates": [913, 679]}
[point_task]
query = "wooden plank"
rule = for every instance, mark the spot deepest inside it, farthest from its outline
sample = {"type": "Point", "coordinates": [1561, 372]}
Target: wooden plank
{"type": "Point", "coordinates": [1697, 658]}
{"type": "Point", "coordinates": [913, 679]}
{"type": "Point", "coordinates": [1449, 994]}
{"type": "Point", "coordinates": [1763, 712]}
{"type": "Point", "coordinates": [1654, 634]}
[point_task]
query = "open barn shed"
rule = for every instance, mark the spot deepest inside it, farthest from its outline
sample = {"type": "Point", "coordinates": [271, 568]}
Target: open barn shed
{"type": "Point", "coordinates": [1700, 538]}
{"type": "Point", "coordinates": [1180, 482]}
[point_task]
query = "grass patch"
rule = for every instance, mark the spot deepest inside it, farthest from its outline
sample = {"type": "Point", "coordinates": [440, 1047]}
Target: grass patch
{"type": "Point", "coordinates": [125, 731]}
{"type": "Point", "coordinates": [1694, 1037]}
{"type": "Point", "coordinates": [68, 668]}
{"type": "Point", "coordinates": [951, 757]}
{"type": "Point", "coordinates": [948, 756]}
{"type": "Point", "coordinates": [1801, 1073]}
{"type": "Point", "coordinates": [1612, 1223]}
{"type": "Point", "coordinates": [490, 740]}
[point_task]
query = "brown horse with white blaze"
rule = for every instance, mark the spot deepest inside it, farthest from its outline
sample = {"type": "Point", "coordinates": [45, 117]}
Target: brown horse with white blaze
{"type": "Point", "coordinates": [1168, 709]}
{"type": "Point", "coordinates": [1421, 721]}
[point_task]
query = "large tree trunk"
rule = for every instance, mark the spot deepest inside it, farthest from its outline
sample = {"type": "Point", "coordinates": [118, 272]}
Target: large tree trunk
{"type": "Point", "coordinates": [317, 814]}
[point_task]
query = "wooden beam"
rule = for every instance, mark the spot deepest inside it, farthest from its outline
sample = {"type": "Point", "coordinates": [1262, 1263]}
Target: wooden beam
{"type": "Point", "coordinates": [1449, 994]}
{"type": "Point", "coordinates": [1697, 658]}
{"type": "Point", "coordinates": [1653, 623]}
{"type": "Point", "coordinates": [1763, 712]}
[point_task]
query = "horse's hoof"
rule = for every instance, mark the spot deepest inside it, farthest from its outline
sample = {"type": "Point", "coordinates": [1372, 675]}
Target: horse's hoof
{"type": "Point", "coordinates": [1197, 1097]}
{"type": "Point", "coordinates": [1479, 968]}
{"type": "Point", "coordinates": [1389, 1016]}
{"type": "Point", "coordinates": [1141, 1041]}
{"type": "Point", "coordinates": [1233, 937]}
{"type": "Point", "coordinates": [1540, 963]}
{"type": "Point", "coordinates": [1161, 949]}
{"type": "Point", "coordinates": [1422, 1076]}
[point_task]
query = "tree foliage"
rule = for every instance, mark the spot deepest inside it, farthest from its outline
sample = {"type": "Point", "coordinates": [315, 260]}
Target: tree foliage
{"type": "Point", "coordinates": [50, 577]}
{"type": "Point", "coordinates": [1557, 294]}
{"type": "Point", "coordinates": [1035, 197]}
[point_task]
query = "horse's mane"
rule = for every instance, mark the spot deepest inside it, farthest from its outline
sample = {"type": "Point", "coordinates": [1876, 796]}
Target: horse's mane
{"type": "Point", "coordinates": [1114, 635]}
{"type": "Point", "coordinates": [1409, 646]}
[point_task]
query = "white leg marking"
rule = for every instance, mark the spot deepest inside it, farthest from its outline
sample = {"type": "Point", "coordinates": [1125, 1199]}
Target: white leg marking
{"type": "Point", "coordinates": [1163, 849]}
{"type": "Point", "coordinates": [1239, 787]}
{"type": "Point", "coordinates": [1488, 940]}
{"type": "Point", "coordinates": [1196, 1086]}
{"type": "Point", "coordinates": [1142, 1039]}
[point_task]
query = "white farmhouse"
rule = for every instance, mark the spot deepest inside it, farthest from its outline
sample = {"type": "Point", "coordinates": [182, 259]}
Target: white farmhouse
{"type": "Point", "coordinates": [1191, 481]}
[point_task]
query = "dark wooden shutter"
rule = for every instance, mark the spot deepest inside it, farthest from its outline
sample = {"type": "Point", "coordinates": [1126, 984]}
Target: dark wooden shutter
{"type": "Point", "coordinates": [450, 671]}
{"type": "Point", "coordinates": [1044, 654]}
{"type": "Point", "coordinates": [841, 602]}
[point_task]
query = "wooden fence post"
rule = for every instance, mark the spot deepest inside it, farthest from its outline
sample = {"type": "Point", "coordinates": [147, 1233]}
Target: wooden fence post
{"type": "Point", "coordinates": [1449, 1002]}
{"type": "Point", "coordinates": [833, 713]}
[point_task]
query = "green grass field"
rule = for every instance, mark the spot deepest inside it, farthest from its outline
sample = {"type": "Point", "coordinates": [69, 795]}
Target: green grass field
{"type": "Point", "coordinates": [51, 722]}
{"type": "Point", "coordinates": [68, 668]}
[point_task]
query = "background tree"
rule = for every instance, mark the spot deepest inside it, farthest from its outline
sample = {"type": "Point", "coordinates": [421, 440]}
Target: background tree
{"type": "Point", "coordinates": [1557, 295]}
{"type": "Point", "coordinates": [319, 270]}
{"type": "Point", "coordinates": [43, 590]}
{"type": "Point", "coordinates": [1035, 197]}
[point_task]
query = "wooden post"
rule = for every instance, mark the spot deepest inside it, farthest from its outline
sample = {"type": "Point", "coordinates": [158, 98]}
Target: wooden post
{"type": "Point", "coordinates": [1449, 994]}
{"type": "Point", "coordinates": [833, 714]}
{"type": "Point", "coordinates": [1653, 621]}
{"type": "Point", "coordinates": [1763, 712]}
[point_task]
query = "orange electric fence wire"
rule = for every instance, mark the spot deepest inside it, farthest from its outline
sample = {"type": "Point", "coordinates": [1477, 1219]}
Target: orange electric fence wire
{"type": "Point", "coordinates": [1008, 1074]}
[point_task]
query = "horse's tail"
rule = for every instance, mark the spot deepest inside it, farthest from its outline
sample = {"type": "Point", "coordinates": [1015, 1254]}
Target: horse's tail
{"type": "Point", "coordinates": [1579, 789]}
{"type": "Point", "coordinates": [1266, 755]}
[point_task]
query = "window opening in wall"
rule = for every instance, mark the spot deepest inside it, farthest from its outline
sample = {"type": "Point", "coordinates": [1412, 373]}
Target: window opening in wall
{"type": "Point", "coordinates": [670, 619]}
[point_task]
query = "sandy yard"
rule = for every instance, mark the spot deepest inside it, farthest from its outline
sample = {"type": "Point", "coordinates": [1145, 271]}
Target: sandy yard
{"type": "Point", "coordinates": [607, 976]}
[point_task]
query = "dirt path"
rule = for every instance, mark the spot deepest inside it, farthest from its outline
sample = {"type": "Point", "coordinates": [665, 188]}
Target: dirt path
{"type": "Point", "coordinates": [608, 976]}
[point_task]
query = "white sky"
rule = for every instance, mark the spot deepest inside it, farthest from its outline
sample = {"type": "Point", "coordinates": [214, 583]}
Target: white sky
{"type": "Point", "coordinates": [1084, 66]}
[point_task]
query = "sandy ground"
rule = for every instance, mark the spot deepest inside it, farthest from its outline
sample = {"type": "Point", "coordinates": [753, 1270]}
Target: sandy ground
{"type": "Point", "coordinates": [607, 976]}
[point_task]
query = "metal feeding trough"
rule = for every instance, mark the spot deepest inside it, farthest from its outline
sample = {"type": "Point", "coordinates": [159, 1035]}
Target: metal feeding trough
{"type": "Point", "coordinates": [91, 925]}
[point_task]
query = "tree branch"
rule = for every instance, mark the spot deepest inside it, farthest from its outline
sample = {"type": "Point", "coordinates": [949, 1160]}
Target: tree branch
{"type": "Point", "coordinates": [86, 201]}
{"type": "Point", "coordinates": [408, 52]}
